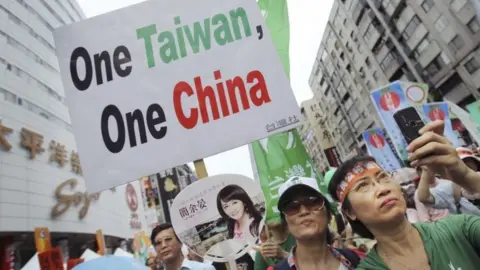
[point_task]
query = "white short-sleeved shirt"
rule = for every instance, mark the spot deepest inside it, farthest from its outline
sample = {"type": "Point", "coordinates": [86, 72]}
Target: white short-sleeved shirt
{"type": "Point", "coordinates": [444, 199]}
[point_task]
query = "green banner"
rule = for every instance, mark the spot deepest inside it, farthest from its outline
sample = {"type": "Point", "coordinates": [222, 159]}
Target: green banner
{"type": "Point", "coordinates": [275, 13]}
{"type": "Point", "coordinates": [278, 158]}
{"type": "Point", "coordinates": [474, 109]}
{"type": "Point", "coordinates": [283, 155]}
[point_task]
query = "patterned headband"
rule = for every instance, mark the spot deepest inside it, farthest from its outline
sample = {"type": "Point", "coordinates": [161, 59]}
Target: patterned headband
{"type": "Point", "coordinates": [360, 170]}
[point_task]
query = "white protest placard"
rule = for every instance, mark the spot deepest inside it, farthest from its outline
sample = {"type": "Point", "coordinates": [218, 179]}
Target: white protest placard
{"type": "Point", "coordinates": [162, 83]}
{"type": "Point", "coordinates": [219, 217]}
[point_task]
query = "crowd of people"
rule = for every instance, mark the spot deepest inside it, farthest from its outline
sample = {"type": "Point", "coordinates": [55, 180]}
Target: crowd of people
{"type": "Point", "coordinates": [426, 219]}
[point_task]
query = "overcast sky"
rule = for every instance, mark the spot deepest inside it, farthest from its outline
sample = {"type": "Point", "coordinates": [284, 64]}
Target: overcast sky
{"type": "Point", "coordinates": [308, 19]}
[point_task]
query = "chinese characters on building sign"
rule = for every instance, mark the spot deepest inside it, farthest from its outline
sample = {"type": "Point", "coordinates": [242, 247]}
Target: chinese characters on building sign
{"type": "Point", "coordinates": [33, 142]}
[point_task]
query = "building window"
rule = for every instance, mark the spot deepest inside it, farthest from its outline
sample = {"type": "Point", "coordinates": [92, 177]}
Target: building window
{"type": "Point", "coordinates": [435, 66]}
{"type": "Point", "coordinates": [427, 5]}
{"type": "Point", "coordinates": [411, 27]}
{"type": "Point", "coordinates": [367, 62]}
{"type": "Point", "coordinates": [456, 43]}
{"type": "Point", "coordinates": [446, 60]}
{"type": "Point", "coordinates": [369, 85]}
{"type": "Point", "coordinates": [457, 5]}
{"type": "Point", "coordinates": [348, 68]}
{"type": "Point", "coordinates": [473, 25]}
{"type": "Point", "coordinates": [337, 44]}
{"type": "Point", "coordinates": [342, 56]}
{"type": "Point", "coordinates": [472, 65]}
{"type": "Point", "coordinates": [422, 45]}
{"type": "Point", "coordinates": [387, 61]}
{"type": "Point", "coordinates": [369, 33]}
{"type": "Point", "coordinates": [362, 73]}
{"type": "Point", "coordinates": [441, 23]}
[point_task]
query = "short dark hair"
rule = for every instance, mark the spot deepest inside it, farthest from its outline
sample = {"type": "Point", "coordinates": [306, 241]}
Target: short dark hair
{"type": "Point", "coordinates": [337, 178]}
{"type": "Point", "coordinates": [159, 228]}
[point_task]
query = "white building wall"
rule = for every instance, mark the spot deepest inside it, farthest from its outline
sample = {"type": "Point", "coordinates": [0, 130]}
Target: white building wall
{"type": "Point", "coordinates": [31, 97]}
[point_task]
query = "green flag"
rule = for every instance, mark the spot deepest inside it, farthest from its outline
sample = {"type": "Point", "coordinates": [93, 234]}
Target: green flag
{"type": "Point", "coordinates": [283, 155]}
{"type": "Point", "coordinates": [474, 109]}
{"type": "Point", "coordinates": [278, 158]}
{"type": "Point", "coordinates": [276, 19]}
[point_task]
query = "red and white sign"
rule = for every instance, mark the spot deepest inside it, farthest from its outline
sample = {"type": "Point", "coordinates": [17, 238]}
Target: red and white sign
{"type": "Point", "coordinates": [147, 88]}
{"type": "Point", "coordinates": [132, 198]}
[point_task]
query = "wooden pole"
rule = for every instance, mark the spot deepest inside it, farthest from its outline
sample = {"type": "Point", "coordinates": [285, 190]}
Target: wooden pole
{"type": "Point", "coordinates": [200, 168]}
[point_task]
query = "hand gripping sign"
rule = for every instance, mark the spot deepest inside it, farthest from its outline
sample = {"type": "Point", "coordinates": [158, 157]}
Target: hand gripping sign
{"type": "Point", "coordinates": [157, 77]}
{"type": "Point", "coordinates": [220, 217]}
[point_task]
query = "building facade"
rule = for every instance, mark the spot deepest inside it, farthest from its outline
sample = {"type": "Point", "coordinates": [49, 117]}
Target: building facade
{"type": "Point", "coordinates": [369, 43]}
{"type": "Point", "coordinates": [317, 136]}
{"type": "Point", "coordinates": [41, 183]}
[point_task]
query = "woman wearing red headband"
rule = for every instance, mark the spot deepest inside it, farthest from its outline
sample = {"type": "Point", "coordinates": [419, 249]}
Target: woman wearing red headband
{"type": "Point", "coordinates": [375, 207]}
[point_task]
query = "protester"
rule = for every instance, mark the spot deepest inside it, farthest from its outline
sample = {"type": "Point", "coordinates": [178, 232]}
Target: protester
{"type": "Point", "coordinates": [306, 212]}
{"type": "Point", "coordinates": [275, 247]}
{"type": "Point", "coordinates": [236, 207]}
{"type": "Point", "coordinates": [375, 208]}
{"type": "Point", "coordinates": [169, 250]}
{"type": "Point", "coordinates": [411, 211]}
{"type": "Point", "coordinates": [425, 212]}
{"type": "Point", "coordinates": [449, 195]}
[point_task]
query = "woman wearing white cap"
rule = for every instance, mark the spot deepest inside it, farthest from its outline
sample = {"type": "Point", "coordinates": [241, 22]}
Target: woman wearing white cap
{"type": "Point", "coordinates": [306, 212]}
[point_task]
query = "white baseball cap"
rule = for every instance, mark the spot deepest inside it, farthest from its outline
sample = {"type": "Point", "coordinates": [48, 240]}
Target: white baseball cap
{"type": "Point", "coordinates": [295, 182]}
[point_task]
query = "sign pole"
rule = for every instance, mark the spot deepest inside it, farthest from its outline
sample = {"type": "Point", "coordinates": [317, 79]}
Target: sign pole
{"type": "Point", "coordinates": [200, 168]}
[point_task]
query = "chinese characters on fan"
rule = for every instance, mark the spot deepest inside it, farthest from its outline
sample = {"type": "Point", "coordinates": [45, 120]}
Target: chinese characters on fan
{"type": "Point", "coordinates": [197, 205]}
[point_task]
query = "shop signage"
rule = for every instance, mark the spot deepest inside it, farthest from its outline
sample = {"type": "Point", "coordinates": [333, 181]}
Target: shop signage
{"type": "Point", "coordinates": [131, 196]}
{"type": "Point", "coordinates": [66, 199]}
{"type": "Point", "coordinates": [33, 143]}
{"type": "Point", "coordinates": [135, 222]}
{"type": "Point", "coordinates": [51, 259]}
{"type": "Point", "coordinates": [132, 202]}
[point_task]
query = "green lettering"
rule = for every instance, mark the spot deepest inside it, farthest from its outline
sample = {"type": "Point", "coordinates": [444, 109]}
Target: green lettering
{"type": "Point", "coordinates": [180, 38]}
{"type": "Point", "coordinates": [222, 33]}
{"type": "Point", "coordinates": [198, 35]}
{"type": "Point", "coordinates": [242, 14]}
{"type": "Point", "coordinates": [168, 50]}
{"type": "Point", "coordinates": [146, 33]}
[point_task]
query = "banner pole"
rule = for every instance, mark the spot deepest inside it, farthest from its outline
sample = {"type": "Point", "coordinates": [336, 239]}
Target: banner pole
{"type": "Point", "coordinates": [200, 168]}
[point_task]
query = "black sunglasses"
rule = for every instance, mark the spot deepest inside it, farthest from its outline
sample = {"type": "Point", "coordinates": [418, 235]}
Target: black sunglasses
{"type": "Point", "coordinates": [313, 203]}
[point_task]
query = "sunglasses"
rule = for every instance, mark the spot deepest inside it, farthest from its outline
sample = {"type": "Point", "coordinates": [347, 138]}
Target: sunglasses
{"type": "Point", "coordinates": [313, 203]}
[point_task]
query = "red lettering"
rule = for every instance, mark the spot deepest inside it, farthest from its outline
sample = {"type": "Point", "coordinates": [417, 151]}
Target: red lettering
{"type": "Point", "coordinates": [257, 94]}
{"type": "Point", "coordinates": [221, 94]}
{"type": "Point", "coordinates": [237, 83]}
{"type": "Point", "coordinates": [202, 95]}
{"type": "Point", "coordinates": [187, 122]}
{"type": "Point", "coordinates": [260, 86]}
